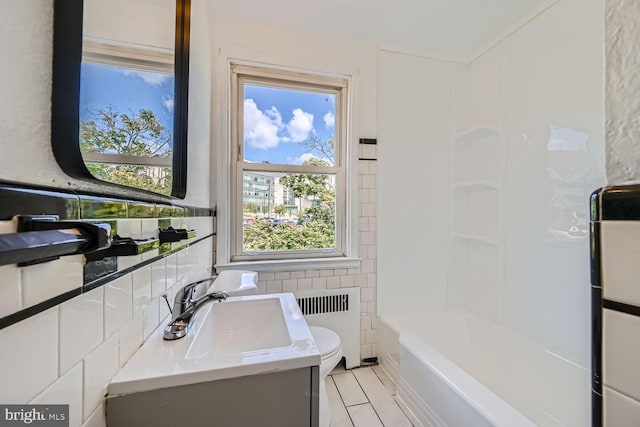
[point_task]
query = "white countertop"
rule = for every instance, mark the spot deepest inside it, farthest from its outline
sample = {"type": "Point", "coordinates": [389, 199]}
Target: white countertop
{"type": "Point", "coordinates": [160, 363]}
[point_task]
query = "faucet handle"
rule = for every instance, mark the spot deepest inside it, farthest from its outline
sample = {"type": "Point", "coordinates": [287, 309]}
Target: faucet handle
{"type": "Point", "coordinates": [219, 295]}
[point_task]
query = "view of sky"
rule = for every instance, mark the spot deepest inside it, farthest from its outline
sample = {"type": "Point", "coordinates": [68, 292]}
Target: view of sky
{"type": "Point", "coordinates": [277, 121]}
{"type": "Point", "coordinates": [127, 90]}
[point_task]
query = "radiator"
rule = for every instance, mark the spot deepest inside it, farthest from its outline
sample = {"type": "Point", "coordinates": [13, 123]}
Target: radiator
{"type": "Point", "coordinates": [338, 310]}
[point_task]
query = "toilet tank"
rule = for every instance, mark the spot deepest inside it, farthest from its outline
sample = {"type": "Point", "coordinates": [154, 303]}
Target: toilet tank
{"type": "Point", "coordinates": [236, 282]}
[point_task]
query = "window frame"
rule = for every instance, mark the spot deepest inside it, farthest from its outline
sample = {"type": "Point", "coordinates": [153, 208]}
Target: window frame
{"type": "Point", "coordinates": [241, 74]}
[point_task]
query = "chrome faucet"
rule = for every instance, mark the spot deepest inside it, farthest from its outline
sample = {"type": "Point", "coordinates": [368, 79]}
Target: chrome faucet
{"type": "Point", "coordinates": [185, 305]}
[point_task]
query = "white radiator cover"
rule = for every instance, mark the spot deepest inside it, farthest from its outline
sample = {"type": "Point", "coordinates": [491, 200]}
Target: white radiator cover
{"type": "Point", "coordinates": [338, 310]}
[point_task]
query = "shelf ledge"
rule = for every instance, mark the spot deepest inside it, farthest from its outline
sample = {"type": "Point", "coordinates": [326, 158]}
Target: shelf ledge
{"type": "Point", "coordinates": [476, 132]}
{"type": "Point", "coordinates": [483, 238]}
{"type": "Point", "coordinates": [477, 185]}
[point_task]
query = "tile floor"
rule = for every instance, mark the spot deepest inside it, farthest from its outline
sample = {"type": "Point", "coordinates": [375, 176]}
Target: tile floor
{"type": "Point", "coordinates": [363, 397]}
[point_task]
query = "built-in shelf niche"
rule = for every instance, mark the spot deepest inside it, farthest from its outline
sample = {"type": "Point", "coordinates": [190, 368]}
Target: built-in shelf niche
{"type": "Point", "coordinates": [477, 232]}
{"type": "Point", "coordinates": [477, 156]}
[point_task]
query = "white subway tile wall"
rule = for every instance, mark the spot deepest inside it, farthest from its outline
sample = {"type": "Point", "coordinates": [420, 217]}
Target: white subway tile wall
{"type": "Point", "coordinates": [69, 353]}
{"type": "Point", "coordinates": [99, 367]}
{"type": "Point", "coordinates": [10, 290]}
{"type": "Point", "coordinates": [49, 279]}
{"type": "Point", "coordinates": [97, 418]}
{"type": "Point", "coordinates": [620, 410]}
{"type": "Point", "coordinates": [621, 352]}
{"type": "Point", "coordinates": [66, 390]}
{"type": "Point", "coordinates": [118, 304]}
{"type": "Point", "coordinates": [81, 327]}
{"type": "Point", "coordinates": [149, 228]}
{"type": "Point", "coordinates": [620, 267]}
{"type": "Point", "coordinates": [620, 346]}
{"type": "Point", "coordinates": [130, 227]}
{"type": "Point", "coordinates": [131, 338]}
{"type": "Point", "coordinates": [29, 356]}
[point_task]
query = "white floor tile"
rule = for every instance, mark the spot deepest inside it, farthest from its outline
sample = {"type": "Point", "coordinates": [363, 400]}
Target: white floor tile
{"type": "Point", "coordinates": [364, 416]}
{"type": "Point", "coordinates": [339, 415]}
{"type": "Point", "coordinates": [388, 411]}
{"type": "Point", "coordinates": [349, 389]}
{"type": "Point", "coordinates": [374, 391]}
{"type": "Point", "coordinates": [385, 379]}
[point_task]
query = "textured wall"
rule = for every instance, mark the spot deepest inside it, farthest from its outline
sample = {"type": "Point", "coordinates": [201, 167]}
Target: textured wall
{"type": "Point", "coordinates": [26, 29]}
{"type": "Point", "coordinates": [622, 108]}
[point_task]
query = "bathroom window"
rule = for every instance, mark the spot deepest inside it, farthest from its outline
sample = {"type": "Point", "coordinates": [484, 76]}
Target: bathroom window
{"type": "Point", "coordinates": [288, 152]}
{"type": "Point", "coordinates": [126, 116]}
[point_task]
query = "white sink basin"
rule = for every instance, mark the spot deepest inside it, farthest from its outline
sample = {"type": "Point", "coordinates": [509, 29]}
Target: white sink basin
{"type": "Point", "coordinates": [241, 336]}
{"type": "Point", "coordinates": [241, 326]}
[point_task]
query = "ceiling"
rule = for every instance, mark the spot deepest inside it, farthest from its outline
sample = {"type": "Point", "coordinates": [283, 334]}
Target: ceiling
{"type": "Point", "coordinates": [455, 29]}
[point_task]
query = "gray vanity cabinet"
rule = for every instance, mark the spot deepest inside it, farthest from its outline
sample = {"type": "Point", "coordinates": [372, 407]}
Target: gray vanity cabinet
{"type": "Point", "coordinates": [278, 399]}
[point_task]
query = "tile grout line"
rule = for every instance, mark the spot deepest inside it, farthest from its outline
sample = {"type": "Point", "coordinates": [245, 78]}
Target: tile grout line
{"type": "Point", "coordinates": [342, 400]}
{"type": "Point", "coordinates": [394, 397]}
{"type": "Point", "coordinates": [369, 399]}
{"type": "Point", "coordinates": [395, 389]}
{"type": "Point", "coordinates": [402, 410]}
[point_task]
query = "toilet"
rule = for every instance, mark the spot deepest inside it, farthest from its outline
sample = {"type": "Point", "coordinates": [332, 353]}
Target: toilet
{"type": "Point", "coordinates": [328, 343]}
{"type": "Point", "coordinates": [243, 282]}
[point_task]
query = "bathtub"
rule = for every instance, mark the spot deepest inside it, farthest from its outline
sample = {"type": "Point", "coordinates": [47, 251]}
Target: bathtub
{"type": "Point", "coordinates": [453, 368]}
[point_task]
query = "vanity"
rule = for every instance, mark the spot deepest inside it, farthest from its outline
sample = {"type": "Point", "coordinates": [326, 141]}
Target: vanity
{"type": "Point", "coordinates": [247, 361]}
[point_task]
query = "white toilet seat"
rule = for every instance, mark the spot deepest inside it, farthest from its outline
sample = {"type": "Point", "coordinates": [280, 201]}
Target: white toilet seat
{"type": "Point", "coordinates": [328, 342]}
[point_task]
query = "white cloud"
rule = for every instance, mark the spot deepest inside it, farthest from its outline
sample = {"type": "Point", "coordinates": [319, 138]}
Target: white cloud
{"type": "Point", "coordinates": [329, 120]}
{"type": "Point", "coordinates": [153, 79]}
{"type": "Point", "coordinates": [265, 128]}
{"type": "Point", "coordinates": [261, 128]}
{"type": "Point", "coordinates": [300, 125]}
{"type": "Point", "coordinates": [302, 158]}
{"type": "Point", "coordinates": [167, 101]}
{"type": "Point", "coordinates": [275, 116]}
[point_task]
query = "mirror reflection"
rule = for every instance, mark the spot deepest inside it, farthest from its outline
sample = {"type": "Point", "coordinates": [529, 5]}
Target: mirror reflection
{"type": "Point", "coordinates": [127, 92]}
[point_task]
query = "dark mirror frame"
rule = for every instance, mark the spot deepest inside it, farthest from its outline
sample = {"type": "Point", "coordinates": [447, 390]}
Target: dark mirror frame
{"type": "Point", "coordinates": [65, 97]}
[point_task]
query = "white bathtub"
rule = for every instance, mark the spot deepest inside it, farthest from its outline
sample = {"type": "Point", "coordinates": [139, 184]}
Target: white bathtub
{"type": "Point", "coordinates": [456, 369]}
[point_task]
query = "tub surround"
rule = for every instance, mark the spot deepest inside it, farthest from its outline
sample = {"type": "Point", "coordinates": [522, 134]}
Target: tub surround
{"type": "Point", "coordinates": [513, 148]}
{"type": "Point", "coordinates": [489, 374]}
{"type": "Point", "coordinates": [615, 237]}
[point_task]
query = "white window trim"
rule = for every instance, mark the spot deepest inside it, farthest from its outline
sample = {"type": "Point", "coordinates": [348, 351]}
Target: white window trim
{"type": "Point", "coordinates": [134, 57]}
{"type": "Point", "coordinates": [223, 170]}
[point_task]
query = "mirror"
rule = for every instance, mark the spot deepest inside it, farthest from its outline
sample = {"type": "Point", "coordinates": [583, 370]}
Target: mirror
{"type": "Point", "coordinates": [120, 92]}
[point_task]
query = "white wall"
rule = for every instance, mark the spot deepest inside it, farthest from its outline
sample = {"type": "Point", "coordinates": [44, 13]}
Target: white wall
{"type": "Point", "coordinates": [622, 88]}
{"type": "Point", "coordinates": [25, 112]}
{"type": "Point", "coordinates": [414, 130]}
{"type": "Point", "coordinates": [149, 23]}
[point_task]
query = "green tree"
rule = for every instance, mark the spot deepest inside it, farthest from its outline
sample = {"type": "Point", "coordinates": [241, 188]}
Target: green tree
{"type": "Point", "coordinates": [280, 210]}
{"type": "Point", "coordinates": [137, 134]}
{"type": "Point", "coordinates": [316, 225]}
